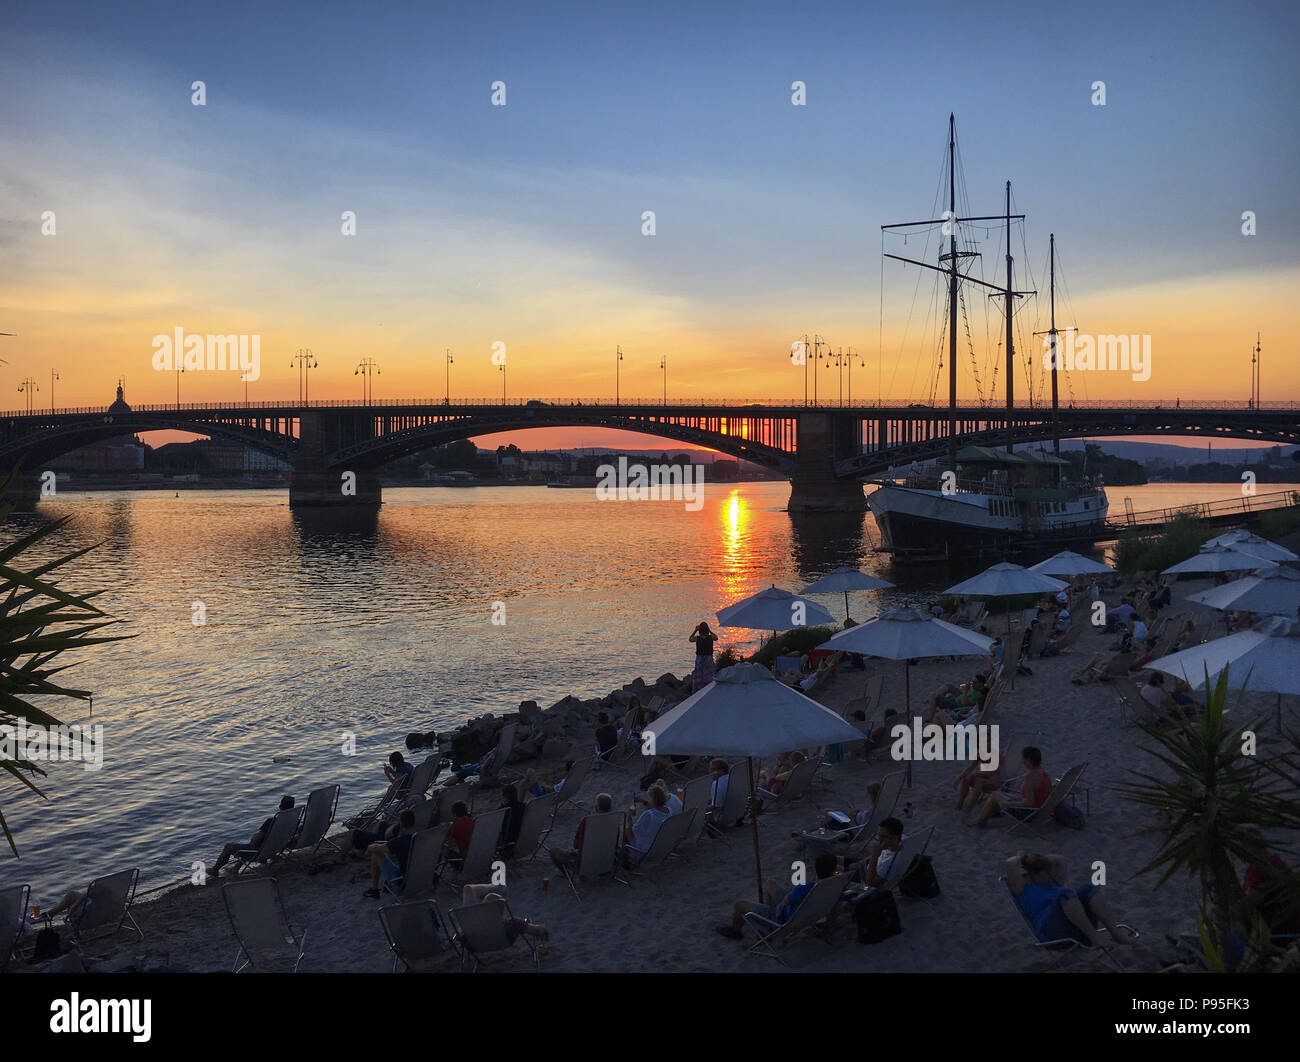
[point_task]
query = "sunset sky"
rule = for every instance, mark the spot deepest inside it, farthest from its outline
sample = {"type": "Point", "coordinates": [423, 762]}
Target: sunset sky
{"type": "Point", "coordinates": [523, 223]}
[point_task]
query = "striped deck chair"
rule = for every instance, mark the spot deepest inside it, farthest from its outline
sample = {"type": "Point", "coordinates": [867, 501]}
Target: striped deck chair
{"type": "Point", "coordinates": [417, 935]}
{"type": "Point", "coordinates": [317, 818]}
{"type": "Point", "coordinates": [1063, 947]}
{"type": "Point", "coordinates": [13, 920]}
{"type": "Point", "coordinates": [1041, 816]}
{"type": "Point", "coordinates": [815, 908]}
{"type": "Point", "coordinates": [266, 937]}
{"type": "Point", "coordinates": [284, 827]}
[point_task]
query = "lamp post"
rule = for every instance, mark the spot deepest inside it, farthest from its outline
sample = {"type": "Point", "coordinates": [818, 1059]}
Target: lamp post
{"type": "Point", "coordinates": [861, 365]}
{"type": "Point", "coordinates": [53, 376]}
{"type": "Point", "coordinates": [663, 364]}
{"type": "Point", "coordinates": [617, 362]}
{"type": "Point", "coordinates": [28, 385]}
{"type": "Point", "coordinates": [502, 367]}
{"type": "Point", "coordinates": [179, 369]}
{"type": "Point", "coordinates": [306, 361]}
{"type": "Point", "coordinates": [368, 369]}
{"type": "Point", "coordinates": [450, 362]}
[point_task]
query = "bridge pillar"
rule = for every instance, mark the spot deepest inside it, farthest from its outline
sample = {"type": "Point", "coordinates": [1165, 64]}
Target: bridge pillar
{"type": "Point", "coordinates": [315, 486]}
{"type": "Point", "coordinates": [815, 488]}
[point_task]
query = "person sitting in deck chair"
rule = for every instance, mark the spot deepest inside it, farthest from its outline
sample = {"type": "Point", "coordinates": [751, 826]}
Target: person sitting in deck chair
{"type": "Point", "coordinates": [514, 817]}
{"type": "Point", "coordinates": [254, 842]}
{"type": "Point", "coordinates": [398, 768]}
{"type": "Point", "coordinates": [1035, 788]}
{"type": "Point", "coordinates": [1056, 912]}
{"type": "Point", "coordinates": [718, 789]}
{"type": "Point", "coordinates": [639, 836]}
{"type": "Point", "coordinates": [785, 764]}
{"type": "Point", "coordinates": [974, 783]}
{"type": "Point", "coordinates": [779, 906]}
{"type": "Point", "coordinates": [455, 841]}
{"type": "Point", "coordinates": [873, 868]}
{"type": "Point", "coordinates": [568, 857]}
{"type": "Point", "coordinates": [484, 766]}
{"type": "Point", "coordinates": [388, 859]}
{"type": "Point", "coordinates": [672, 801]}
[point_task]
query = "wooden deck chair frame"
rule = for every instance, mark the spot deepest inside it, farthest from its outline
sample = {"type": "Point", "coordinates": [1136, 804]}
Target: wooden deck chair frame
{"type": "Point", "coordinates": [600, 856]}
{"type": "Point", "coordinates": [818, 905]}
{"type": "Point", "coordinates": [14, 900]}
{"type": "Point", "coordinates": [317, 818]}
{"type": "Point", "coordinates": [483, 923]}
{"type": "Point", "coordinates": [1060, 791]}
{"type": "Point", "coordinates": [1063, 948]}
{"type": "Point", "coordinates": [82, 920]}
{"type": "Point", "coordinates": [284, 828]}
{"type": "Point", "coordinates": [264, 891]}
{"type": "Point", "coordinates": [535, 827]}
{"type": "Point", "coordinates": [417, 935]}
{"type": "Point", "coordinates": [672, 831]}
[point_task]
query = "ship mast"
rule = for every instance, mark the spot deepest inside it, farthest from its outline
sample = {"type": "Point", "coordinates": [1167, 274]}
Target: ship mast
{"type": "Point", "coordinates": [1008, 293]}
{"type": "Point", "coordinates": [954, 274]}
{"type": "Point", "coordinates": [1053, 331]}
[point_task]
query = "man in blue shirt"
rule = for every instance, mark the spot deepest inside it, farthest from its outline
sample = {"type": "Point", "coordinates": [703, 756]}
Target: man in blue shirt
{"type": "Point", "coordinates": [777, 910]}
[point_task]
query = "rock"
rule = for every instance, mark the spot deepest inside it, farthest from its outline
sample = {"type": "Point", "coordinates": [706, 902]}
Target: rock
{"type": "Point", "coordinates": [553, 748]}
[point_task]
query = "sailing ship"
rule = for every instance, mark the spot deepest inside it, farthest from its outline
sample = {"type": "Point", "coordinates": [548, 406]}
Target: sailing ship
{"type": "Point", "coordinates": [981, 499]}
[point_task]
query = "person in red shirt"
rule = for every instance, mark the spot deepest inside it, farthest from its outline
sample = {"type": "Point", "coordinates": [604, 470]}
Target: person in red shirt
{"type": "Point", "coordinates": [1035, 788]}
{"type": "Point", "coordinates": [458, 833]}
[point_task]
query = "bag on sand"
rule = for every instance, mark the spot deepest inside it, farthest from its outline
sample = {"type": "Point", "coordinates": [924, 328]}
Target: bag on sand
{"type": "Point", "coordinates": [920, 882]}
{"type": "Point", "coordinates": [877, 917]}
{"type": "Point", "coordinates": [48, 945]}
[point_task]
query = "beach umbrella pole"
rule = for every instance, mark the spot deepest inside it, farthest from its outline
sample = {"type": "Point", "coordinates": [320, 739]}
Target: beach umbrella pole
{"type": "Point", "coordinates": [753, 820]}
{"type": "Point", "coordinates": [847, 617]}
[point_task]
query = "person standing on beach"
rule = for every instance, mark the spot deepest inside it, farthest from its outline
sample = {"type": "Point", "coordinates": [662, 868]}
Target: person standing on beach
{"type": "Point", "coordinates": [704, 640]}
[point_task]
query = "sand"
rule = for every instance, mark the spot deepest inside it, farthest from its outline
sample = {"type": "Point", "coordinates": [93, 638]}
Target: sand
{"type": "Point", "coordinates": [665, 922]}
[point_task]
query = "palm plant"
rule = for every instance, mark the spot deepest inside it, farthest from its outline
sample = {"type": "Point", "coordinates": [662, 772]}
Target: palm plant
{"type": "Point", "coordinates": [1213, 804]}
{"type": "Point", "coordinates": [38, 623]}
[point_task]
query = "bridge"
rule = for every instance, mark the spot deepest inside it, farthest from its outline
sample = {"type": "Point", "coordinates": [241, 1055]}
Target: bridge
{"type": "Point", "coordinates": [337, 447]}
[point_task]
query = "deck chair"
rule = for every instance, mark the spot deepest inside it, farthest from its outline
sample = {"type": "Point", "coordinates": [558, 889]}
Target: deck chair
{"type": "Point", "coordinates": [448, 796]}
{"type": "Point", "coordinates": [788, 663]}
{"type": "Point", "coordinates": [619, 752]}
{"type": "Point", "coordinates": [1063, 947]}
{"type": "Point", "coordinates": [317, 818]}
{"type": "Point", "coordinates": [422, 777]}
{"type": "Point", "coordinates": [1117, 666]}
{"type": "Point", "coordinates": [266, 936]}
{"type": "Point", "coordinates": [425, 812]}
{"type": "Point", "coordinates": [672, 832]}
{"type": "Point", "coordinates": [422, 863]}
{"type": "Point", "coordinates": [735, 801]}
{"type": "Point", "coordinates": [891, 787]}
{"type": "Point", "coordinates": [481, 931]}
{"type": "Point", "coordinates": [816, 906]}
{"type": "Point", "coordinates": [695, 798]}
{"type": "Point", "coordinates": [476, 867]}
{"type": "Point", "coordinates": [1071, 635]}
{"type": "Point", "coordinates": [573, 782]}
{"type": "Point", "coordinates": [535, 827]}
{"type": "Point", "coordinates": [497, 774]}
{"type": "Point", "coordinates": [1059, 792]}
{"type": "Point", "coordinates": [912, 848]}
{"type": "Point", "coordinates": [284, 827]}
{"type": "Point", "coordinates": [602, 843]}
{"type": "Point", "coordinates": [417, 935]}
{"type": "Point", "coordinates": [1090, 671]}
{"type": "Point", "coordinates": [107, 907]}
{"type": "Point", "coordinates": [799, 782]}
{"type": "Point", "coordinates": [365, 820]}
{"type": "Point", "coordinates": [13, 920]}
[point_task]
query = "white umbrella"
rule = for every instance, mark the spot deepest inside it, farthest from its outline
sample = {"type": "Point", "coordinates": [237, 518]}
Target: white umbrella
{"type": "Point", "coordinates": [1006, 580]}
{"type": "Point", "coordinates": [842, 580]}
{"type": "Point", "coordinates": [746, 712]}
{"type": "Point", "coordinates": [774, 610]}
{"type": "Point", "coordinates": [1246, 542]}
{"type": "Point", "coordinates": [1265, 659]}
{"type": "Point", "coordinates": [1271, 592]}
{"type": "Point", "coordinates": [1218, 559]}
{"type": "Point", "coordinates": [905, 634]}
{"type": "Point", "coordinates": [1068, 563]}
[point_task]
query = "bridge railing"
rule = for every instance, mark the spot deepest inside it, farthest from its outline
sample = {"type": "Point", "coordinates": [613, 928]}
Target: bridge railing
{"type": "Point", "coordinates": [759, 405]}
{"type": "Point", "coordinates": [1248, 503]}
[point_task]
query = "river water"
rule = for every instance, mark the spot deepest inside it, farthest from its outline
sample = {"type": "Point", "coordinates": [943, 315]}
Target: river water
{"type": "Point", "coordinates": [309, 633]}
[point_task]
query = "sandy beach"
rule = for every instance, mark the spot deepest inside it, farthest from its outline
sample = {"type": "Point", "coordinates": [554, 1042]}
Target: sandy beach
{"type": "Point", "coordinates": [665, 921]}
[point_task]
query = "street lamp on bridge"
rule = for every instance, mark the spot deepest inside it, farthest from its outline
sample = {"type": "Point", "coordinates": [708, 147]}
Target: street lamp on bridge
{"type": "Point", "coordinates": [663, 364]}
{"type": "Point", "coordinates": [53, 376]}
{"type": "Point", "coordinates": [450, 362]}
{"type": "Point", "coordinates": [502, 367]}
{"type": "Point", "coordinates": [28, 385]}
{"type": "Point", "coordinates": [306, 361]}
{"type": "Point", "coordinates": [368, 370]}
{"type": "Point", "coordinates": [179, 369]}
{"type": "Point", "coordinates": [617, 361]}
